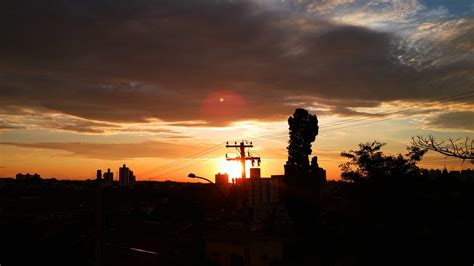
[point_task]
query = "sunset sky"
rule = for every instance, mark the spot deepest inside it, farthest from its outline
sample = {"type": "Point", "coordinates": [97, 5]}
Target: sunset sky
{"type": "Point", "coordinates": [162, 85]}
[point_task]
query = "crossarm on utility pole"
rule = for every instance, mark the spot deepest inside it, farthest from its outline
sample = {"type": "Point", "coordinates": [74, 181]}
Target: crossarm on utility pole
{"type": "Point", "coordinates": [242, 158]}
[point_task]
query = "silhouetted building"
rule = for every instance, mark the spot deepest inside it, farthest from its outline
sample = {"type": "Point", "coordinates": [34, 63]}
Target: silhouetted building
{"type": "Point", "coordinates": [254, 172]}
{"type": "Point", "coordinates": [279, 183]}
{"type": "Point", "coordinates": [463, 175]}
{"type": "Point", "coordinates": [222, 180]}
{"type": "Point", "coordinates": [261, 197]}
{"type": "Point", "coordinates": [467, 175]}
{"type": "Point", "coordinates": [260, 190]}
{"type": "Point", "coordinates": [108, 177]}
{"type": "Point", "coordinates": [434, 173]}
{"type": "Point", "coordinates": [126, 177]}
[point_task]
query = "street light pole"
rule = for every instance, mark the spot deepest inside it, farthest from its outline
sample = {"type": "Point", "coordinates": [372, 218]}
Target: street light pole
{"type": "Point", "coordinates": [191, 175]}
{"type": "Point", "coordinates": [223, 195]}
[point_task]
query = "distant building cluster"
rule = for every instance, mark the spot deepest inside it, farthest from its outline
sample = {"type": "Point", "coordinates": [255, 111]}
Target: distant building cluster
{"type": "Point", "coordinates": [463, 175]}
{"type": "Point", "coordinates": [260, 190]}
{"type": "Point", "coordinates": [126, 176]}
{"type": "Point", "coordinates": [260, 197]}
{"type": "Point", "coordinates": [28, 177]}
{"type": "Point", "coordinates": [254, 191]}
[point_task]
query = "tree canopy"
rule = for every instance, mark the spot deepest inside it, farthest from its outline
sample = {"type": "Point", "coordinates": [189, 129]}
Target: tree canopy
{"type": "Point", "coordinates": [303, 131]}
{"type": "Point", "coordinates": [369, 163]}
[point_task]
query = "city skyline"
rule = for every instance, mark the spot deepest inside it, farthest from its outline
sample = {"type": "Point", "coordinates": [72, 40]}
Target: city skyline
{"type": "Point", "coordinates": [89, 86]}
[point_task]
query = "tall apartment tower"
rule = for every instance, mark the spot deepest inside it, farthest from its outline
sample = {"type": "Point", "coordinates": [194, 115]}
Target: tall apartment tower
{"type": "Point", "coordinates": [108, 177]}
{"type": "Point", "coordinates": [126, 177]}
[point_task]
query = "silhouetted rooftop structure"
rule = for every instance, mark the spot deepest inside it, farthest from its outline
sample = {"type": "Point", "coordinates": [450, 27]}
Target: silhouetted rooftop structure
{"type": "Point", "coordinates": [466, 175]}
{"type": "Point", "coordinates": [222, 180]}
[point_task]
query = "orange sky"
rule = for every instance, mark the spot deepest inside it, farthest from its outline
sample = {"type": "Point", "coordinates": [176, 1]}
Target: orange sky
{"type": "Point", "coordinates": [78, 156]}
{"type": "Point", "coordinates": [89, 86]}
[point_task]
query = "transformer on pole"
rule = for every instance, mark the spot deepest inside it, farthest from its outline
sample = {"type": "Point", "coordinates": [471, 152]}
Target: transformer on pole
{"type": "Point", "coordinates": [243, 157]}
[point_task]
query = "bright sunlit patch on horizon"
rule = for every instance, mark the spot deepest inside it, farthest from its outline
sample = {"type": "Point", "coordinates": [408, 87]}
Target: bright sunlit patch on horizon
{"type": "Point", "coordinates": [233, 169]}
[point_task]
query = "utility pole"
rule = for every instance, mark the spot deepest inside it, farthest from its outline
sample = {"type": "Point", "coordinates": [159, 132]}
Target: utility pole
{"type": "Point", "coordinates": [243, 158]}
{"type": "Point", "coordinates": [98, 221]}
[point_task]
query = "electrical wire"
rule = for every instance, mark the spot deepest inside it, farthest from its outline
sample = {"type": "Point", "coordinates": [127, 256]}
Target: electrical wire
{"type": "Point", "coordinates": [329, 127]}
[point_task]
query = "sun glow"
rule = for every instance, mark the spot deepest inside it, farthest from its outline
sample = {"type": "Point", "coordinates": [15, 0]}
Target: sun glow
{"type": "Point", "coordinates": [233, 169]}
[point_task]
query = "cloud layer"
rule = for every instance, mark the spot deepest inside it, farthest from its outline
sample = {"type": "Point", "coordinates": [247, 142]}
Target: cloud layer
{"type": "Point", "coordinates": [454, 121]}
{"type": "Point", "coordinates": [106, 62]}
{"type": "Point", "coordinates": [117, 151]}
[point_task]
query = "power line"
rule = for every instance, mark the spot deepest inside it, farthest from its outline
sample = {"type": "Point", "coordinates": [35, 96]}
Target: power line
{"type": "Point", "coordinates": [371, 116]}
{"type": "Point", "coordinates": [187, 166]}
{"type": "Point", "coordinates": [332, 126]}
{"type": "Point", "coordinates": [447, 99]}
{"type": "Point", "coordinates": [180, 161]}
{"type": "Point", "coordinates": [379, 120]}
{"type": "Point", "coordinates": [242, 157]}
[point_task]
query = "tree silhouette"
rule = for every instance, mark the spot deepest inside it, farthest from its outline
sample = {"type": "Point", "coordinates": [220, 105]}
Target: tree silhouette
{"type": "Point", "coordinates": [452, 148]}
{"type": "Point", "coordinates": [369, 163]}
{"type": "Point", "coordinates": [303, 130]}
{"type": "Point", "coordinates": [302, 182]}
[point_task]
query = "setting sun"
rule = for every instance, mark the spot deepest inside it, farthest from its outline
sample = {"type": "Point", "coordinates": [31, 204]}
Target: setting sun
{"type": "Point", "coordinates": [233, 169]}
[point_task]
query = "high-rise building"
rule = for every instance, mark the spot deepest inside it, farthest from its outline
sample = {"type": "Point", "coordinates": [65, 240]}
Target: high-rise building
{"type": "Point", "coordinates": [108, 177]}
{"type": "Point", "coordinates": [126, 177]}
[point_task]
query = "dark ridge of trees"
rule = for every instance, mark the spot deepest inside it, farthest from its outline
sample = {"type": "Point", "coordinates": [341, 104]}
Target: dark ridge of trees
{"type": "Point", "coordinates": [456, 148]}
{"type": "Point", "coordinates": [369, 163]}
{"type": "Point", "coordinates": [392, 214]}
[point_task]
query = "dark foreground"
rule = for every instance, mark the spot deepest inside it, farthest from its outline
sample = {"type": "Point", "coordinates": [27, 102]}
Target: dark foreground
{"type": "Point", "coordinates": [49, 222]}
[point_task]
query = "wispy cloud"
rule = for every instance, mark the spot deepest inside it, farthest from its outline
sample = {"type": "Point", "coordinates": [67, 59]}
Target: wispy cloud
{"type": "Point", "coordinates": [117, 151]}
{"type": "Point", "coordinates": [428, 35]}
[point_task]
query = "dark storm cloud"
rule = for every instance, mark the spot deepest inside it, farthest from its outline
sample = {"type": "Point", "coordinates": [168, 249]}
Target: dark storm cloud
{"type": "Point", "coordinates": [454, 120]}
{"type": "Point", "coordinates": [122, 61]}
